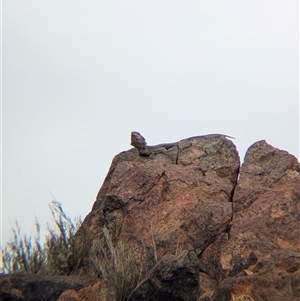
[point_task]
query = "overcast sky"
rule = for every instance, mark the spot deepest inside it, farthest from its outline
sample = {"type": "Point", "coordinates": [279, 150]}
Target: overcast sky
{"type": "Point", "coordinates": [79, 76]}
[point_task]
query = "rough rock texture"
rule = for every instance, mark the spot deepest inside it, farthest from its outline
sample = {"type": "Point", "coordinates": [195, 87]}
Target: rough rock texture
{"type": "Point", "coordinates": [208, 287]}
{"type": "Point", "coordinates": [173, 278]}
{"type": "Point", "coordinates": [265, 230]}
{"type": "Point", "coordinates": [176, 199]}
{"type": "Point", "coordinates": [96, 292]}
{"type": "Point", "coordinates": [278, 280]}
{"type": "Point", "coordinates": [21, 287]}
{"type": "Point", "coordinates": [185, 199]}
{"type": "Point", "coordinates": [266, 211]}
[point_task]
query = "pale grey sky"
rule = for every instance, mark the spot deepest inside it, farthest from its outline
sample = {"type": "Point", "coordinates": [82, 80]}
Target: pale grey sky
{"type": "Point", "coordinates": [79, 76]}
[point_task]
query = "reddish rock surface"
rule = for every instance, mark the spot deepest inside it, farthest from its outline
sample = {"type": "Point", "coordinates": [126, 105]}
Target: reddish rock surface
{"type": "Point", "coordinates": [277, 280]}
{"type": "Point", "coordinates": [178, 199]}
{"type": "Point", "coordinates": [266, 210]}
{"type": "Point", "coordinates": [96, 292]}
{"type": "Point", "coordinates": [186, 199]}
{"type": "Point", "coordinates": [265, 231]}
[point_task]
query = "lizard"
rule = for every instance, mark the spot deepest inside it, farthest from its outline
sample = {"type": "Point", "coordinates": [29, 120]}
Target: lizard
{"type": "Point", "coordinates": [139, 142]}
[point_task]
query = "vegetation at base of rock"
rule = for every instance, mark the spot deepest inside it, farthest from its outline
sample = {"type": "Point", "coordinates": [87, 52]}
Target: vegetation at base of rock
{"type": "Point", "coordinates": [24, 254]}
{"type": "Point", "coordinates": [57, 256]}
{"type": "Point", "coordinates": [61, 255]}
{"type": "Point", "coordinates": [117, 263]}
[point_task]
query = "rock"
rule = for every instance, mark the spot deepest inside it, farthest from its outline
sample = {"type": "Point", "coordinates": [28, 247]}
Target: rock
{"type": "Point", "coordinates": [175, 199]}
{"type": "Point", "coordinates": [187, 198]}
{"type": "Point", "coordinates": [265, 168]}
{"type": "Point", "coordinates": [18, 287]}
{"type": "Point", "coordinates": [209, 259]}
{"type": "Point", "coordinates": [278, 280]}
{"type": "Point", "coordinates": [96, 292]}
{"type": "Point", "coordinates": [266, 211]}
{"type": "Point", "coordinates": [11, 295]}
{"type": "Point", "coordinates": [172, 278]}
{"type": "Point", "coordinates": [237, 238]}
{"type": "Point", "coordinates": [69, 295]}
{"type": "Point", "coordinates": [207, 287]}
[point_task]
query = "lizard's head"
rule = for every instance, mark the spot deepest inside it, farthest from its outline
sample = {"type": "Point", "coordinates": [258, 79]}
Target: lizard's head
{"type": "Point", "coordinates": [137, 140]}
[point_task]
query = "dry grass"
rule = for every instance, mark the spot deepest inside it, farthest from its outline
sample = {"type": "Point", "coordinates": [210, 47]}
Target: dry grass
{"type": "Point", "coordinates": [58, 255]}
{"type": "Point", "coordinates": [116, 263]}
{"type": "Point", "coordinates": [61, 255]}
{"type": "Point", "coordinates": [24, 254]}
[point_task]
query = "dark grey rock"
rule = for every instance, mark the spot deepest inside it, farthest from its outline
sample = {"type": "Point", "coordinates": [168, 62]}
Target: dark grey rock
{"type": "Point", "coordinates": [173, 278]}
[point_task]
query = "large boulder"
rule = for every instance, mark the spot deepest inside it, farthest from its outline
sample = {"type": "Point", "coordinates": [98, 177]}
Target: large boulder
{"type": "Point", "coordinates": [187, 197]}
{"type": "Point", "coordinates": [266, 211]}
{"type": "Point", "coordinates": [258, 259]}
{"type": "Point", "coordinates": [175, 199]}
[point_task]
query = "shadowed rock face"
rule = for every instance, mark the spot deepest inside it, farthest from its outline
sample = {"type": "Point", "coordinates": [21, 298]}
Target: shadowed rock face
{"type": "Point", "coordinates": [173, 278]}
{"type": "Point", "coordinates": [21, 287]}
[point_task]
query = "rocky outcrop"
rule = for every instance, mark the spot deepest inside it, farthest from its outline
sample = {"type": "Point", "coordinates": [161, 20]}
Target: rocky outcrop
{"type": "Point", "coordinates": [175, 199]}
{"type": "Point", "coordinates": [244, 232]}
{"type": "Point", "coordinates": [266, 210]}
{"type": "Point", "coordinates": [236, 229]}
{"type": "Point", "coordinates": [265, 230]}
